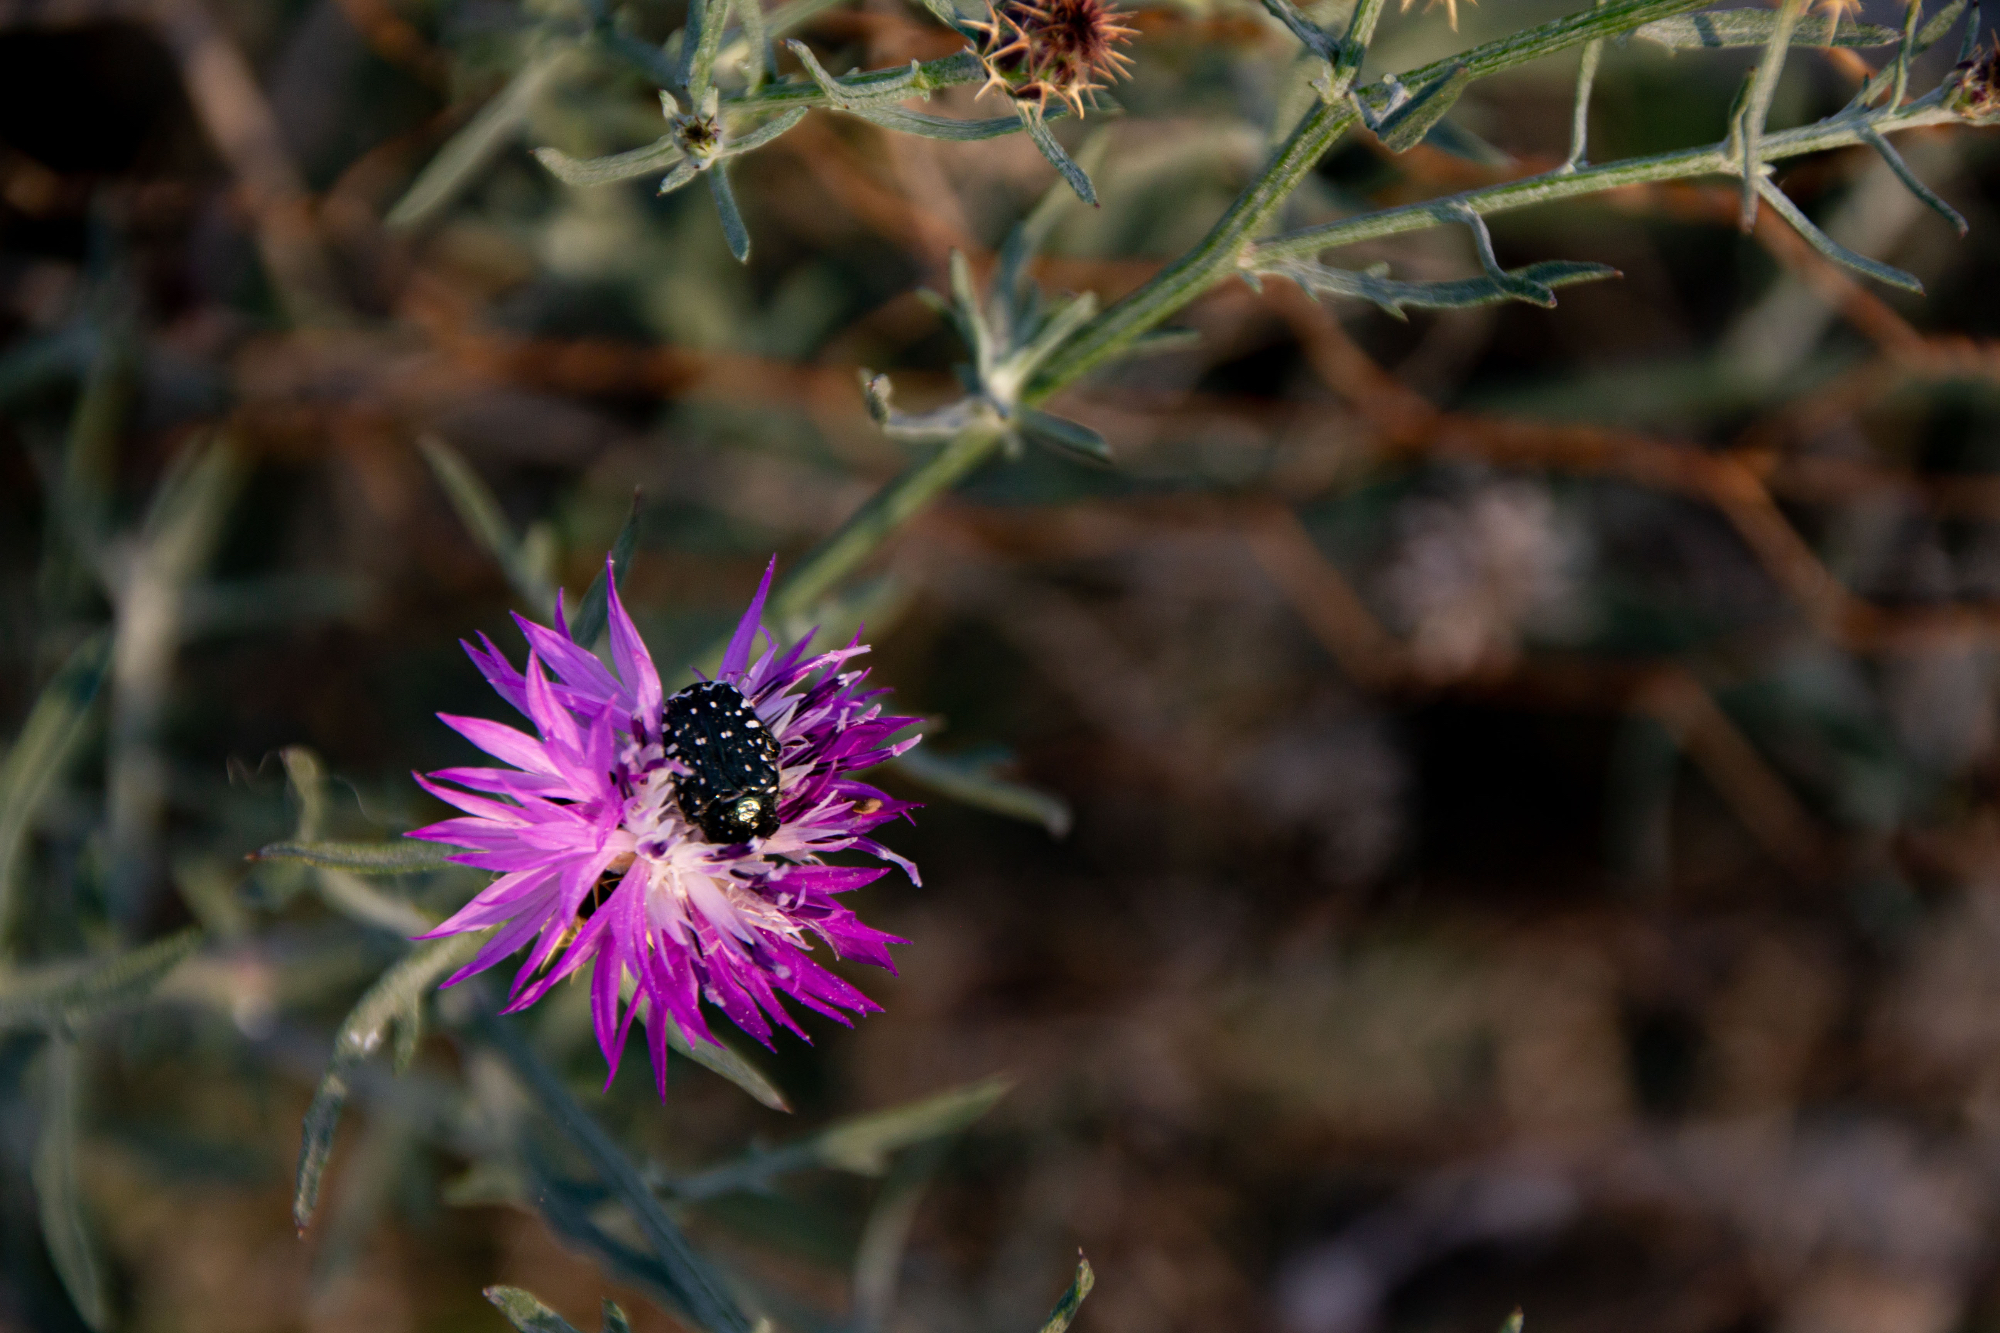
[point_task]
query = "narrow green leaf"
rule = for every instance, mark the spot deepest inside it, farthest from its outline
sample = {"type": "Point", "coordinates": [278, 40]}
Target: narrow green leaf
{"type": "Point", "coordinates": [394, 1002]}
{"type": "Point", "coordinates": [475, 147]}
{"type": "Point", "coordinates": [1930, 34]}
{"type": "Point", "coordinates": [1923, 192]}
{"type": "Point", "coordinates": [1072, 1300]}
{"type": "Point", "coordinates": [973, 780]}
{"type": "Point", "coordinates": [860, 1144]}
{"type": "Point", "coordinates": [928, 126]}
{"type": "Point", "coordinates": [1831, 248]}
{"type": "Point", "coordinates": [407, 856]}
{"type": "Point", "coordinates": [1715, 29]}
{"type": "Point", "coordinates": [1763, 86]}
{"type": "Point", "coordinates": [480, 511]}
{"type": "Point", "coordinates": [763, 134]}
{"type": "Point", "coordinates": [614, 1318]}
{"type": "Point", "coordinates": [526, 1313]}
{"type": "Point", "coordinates": [65, 997]}
{"type": "Point", "coordinates": [727, 1063]}
{"type": "Point", "coordinates": [654, 157]}
{"type": "Point", "coordinates": [1405, 127]}
{"type": "Point", "coordinates": [683, 172]}
{"type": "Point", "coordinates": [1309, 34]}
{"type": "Point", "coordinates": [40, 753]}
{"type": "Point", "coordinates": [59, 1194]}
{"type": "Point", "coordinates": [705, 1295]}
{"type": "Point", "coordinates": [1036, 124]}
{"type": "Point", "coordinates": [1393, 297]}
{"type": "Point", "coordinates": [586, 623]}
{"type": "Point", "coordinates": [733, 229]}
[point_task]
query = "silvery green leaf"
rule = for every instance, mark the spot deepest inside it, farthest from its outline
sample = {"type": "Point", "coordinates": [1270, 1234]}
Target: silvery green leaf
{"type": "Point", "coordinates": [526, 1313]}
{"type": "Point", "coordinates": [974, 779]}
{"type": "Point", "coordinates": [1038, 130]}
{"type": "Point", "coordinates": [877, 91]}
{"type": "Point", "coordinates": [1449, 137]}
{"type": "Point", "coordinates": [394, 1002]}
{"type": "Point", "coordinates": [482, 139]}
{"type": "Point", "coordinates": [694, 1282]}
{"type": "Point", "coordinates": [1064, 1314]}
{"type": "Point", "coordinates": [479, 509]}
{"type": "Point", "coordinates": [406, 856]}
{"type": "Point", "coordinates": [733, 229]}
{"type": "Point", "coordinates": [59, 1193]}
{"type": "Point", "coordinates": [655, 156]}
{"type": "Point", "coordinates": [1405, 127]}
{"type": "Point", "coordinates": [41, 751]}
{"type": "Point", "coordinates": [683, 171]}
{"type": "Point", "coordinates": [966, 305]}
{"type": "Point", "coordinates": [764, 133]}
{"type": "Point", "coordinates": [1310, 35]}
{"type": "Point", "coordinates": [1718, 28]}
{"type": "Point", "coordinates": [586, 623]}
{"type": "Point", "coordinates": [1831, 248]}
{"type": "Point", "coordinates": [1159, 342]}
{"type": "Point", "coordinates": [1065, 437]}
{"type": "Point", "coordinates": [928, 126]}
{"type": "Point", "coordinates": [1923, 192]}
{"type": "Point", "coordinates": [721, 1060]}
{"type": "Point", "coordinates": [860, 1144]}
{"type": "Point", "coordinates": [68, 996]}
{"type": "Point", "coordinates": [1393, 297]}
{"type": "Point", "coordinates": [1053, 333]}
{"type": "Point", "coordinates": [614, 1318]}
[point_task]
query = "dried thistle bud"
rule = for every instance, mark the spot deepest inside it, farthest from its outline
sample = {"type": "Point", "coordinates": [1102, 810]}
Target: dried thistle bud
{"type": "Point", "coordinates": [1450, 6]}
{"type": "Point", "coordinates": [1977, 94]}
{"type": "Point", "coordinates": [1065, 49]}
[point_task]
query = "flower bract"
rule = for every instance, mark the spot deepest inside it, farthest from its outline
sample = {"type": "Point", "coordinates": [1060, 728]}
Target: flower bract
{"type": "Point", "coordinates": [601, 829]}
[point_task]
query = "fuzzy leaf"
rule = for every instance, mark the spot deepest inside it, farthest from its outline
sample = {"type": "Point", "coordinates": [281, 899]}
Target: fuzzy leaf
{"type": "Point", "coordinates": [1405, 127]}
{"type": "Point", "coordinates": [1832, 249]}
{"type": "Point", "coordinates": [586, 623]}
{"type": "Point", "coordinates": [47, 740]}
{"type": "Point", "coordinates": [1392, 296]}
{"type": "Point", "coordinates": [1038, 130]}
{"type": "Point", "coordinates": [1718, 28]}
{"type": "Point", "coordinates": [66, 997]}
{"type": "Point", "coordinates": [654, 157]}
{"type": "Point", "coordinates": [1064, 1314]}
{"type": "Point", "coordinates": [1065, 437]}
{"type": "Point", "coordinates": [972, 780]}
{"type": "Point", "coordinates": [727, 1063]}
{"type": "Point", "coordinates": [394, 1001]}
{"type": "Point", "coordinates": [860, 1144]}
{"type": "Point", "coordinates": [482, 139]}
{"type": "Point", "coordinates": [697, 1286]}
{"type": "Point", "coordinates": [526, 1313]}
{"type": "Point", "coordinates": [59, 1194]}
{"type": "Point", "coordinates": [1925, 195]}
{"type": "Point", "coordinates": [733, 229]}
{"type": "Point", "coordinates": [407, 856]}
{"type": "Point", "coordinates": [763, 134]}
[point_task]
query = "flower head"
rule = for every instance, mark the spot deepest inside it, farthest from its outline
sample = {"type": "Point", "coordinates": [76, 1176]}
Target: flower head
{"type": "Point", "coordinates": [1976, 95]}
{"type": "Point", "coordinates": [1065, 49]}
{"type": "Point", "coordinates": [673, 848]}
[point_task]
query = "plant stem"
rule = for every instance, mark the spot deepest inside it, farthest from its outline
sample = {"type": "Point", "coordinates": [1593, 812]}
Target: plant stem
{"type": "Point", "coordinates": [885, 511]}
{"type": "Point", "coordinates": [1715, 160]}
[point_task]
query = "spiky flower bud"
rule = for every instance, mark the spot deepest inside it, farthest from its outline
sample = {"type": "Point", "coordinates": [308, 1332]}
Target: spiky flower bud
{"type": "Point", "coordinates": [1034, 50]}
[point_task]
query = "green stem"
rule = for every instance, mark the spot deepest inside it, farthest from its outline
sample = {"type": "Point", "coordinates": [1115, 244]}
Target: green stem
{"type": "Point", "coordinates": [1715, 160]}
{"type": "Point", "coordinates": [1579, 119]}
{"type": "Point", "coordinates": [885, 511]}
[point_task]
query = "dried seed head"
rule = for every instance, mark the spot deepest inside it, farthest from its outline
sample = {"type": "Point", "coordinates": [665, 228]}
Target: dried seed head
{"type": "Point", "coordinates": [1450, 9]}
{"type": "Point", "coordinates": [1066, 49]}
{"type": "Point", "coordinates": [1977, 96]}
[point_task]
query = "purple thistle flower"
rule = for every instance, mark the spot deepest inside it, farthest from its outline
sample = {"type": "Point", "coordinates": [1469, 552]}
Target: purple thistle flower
{"type": "Point", "coordinates": [600, 864]}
